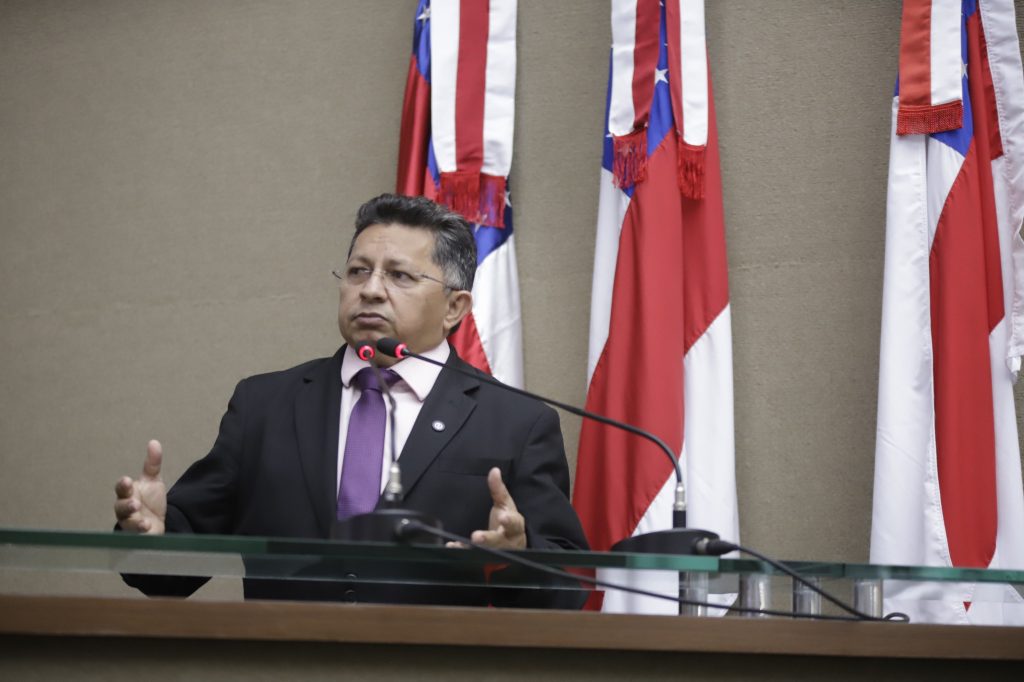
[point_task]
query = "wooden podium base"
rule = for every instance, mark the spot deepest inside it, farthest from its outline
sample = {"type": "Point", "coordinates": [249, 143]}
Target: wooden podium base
{"type": "Point", "coordinates": [47, 637]}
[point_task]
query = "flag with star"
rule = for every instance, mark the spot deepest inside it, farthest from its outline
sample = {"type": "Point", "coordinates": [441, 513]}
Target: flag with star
{"type": "Point", "coordinates": [660, 327]}
{"type": "Point", "coordinates": [948, 488]}
{"type": "Point", "coordinates": [456, 148]}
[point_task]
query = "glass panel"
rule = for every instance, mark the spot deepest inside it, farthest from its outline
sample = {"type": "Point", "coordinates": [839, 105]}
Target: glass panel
{"type": "Point", "coordinates": [327, 561]}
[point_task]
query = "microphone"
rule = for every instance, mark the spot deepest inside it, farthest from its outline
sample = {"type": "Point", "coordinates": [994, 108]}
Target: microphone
{"type": "Point", "coordinates": [393, 489]}
{"type": "Point", "coordinates": [678, 540]}
{"type": "Point", "coordinates": [389, 523]}
{"type": "Point", "coordinates": [365, 352]}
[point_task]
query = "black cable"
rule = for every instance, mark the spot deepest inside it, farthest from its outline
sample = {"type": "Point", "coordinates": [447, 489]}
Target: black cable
{"type": "Point", "coordinates": [719, 547]}
{"type": "Point", "coordinates": [410, 525]}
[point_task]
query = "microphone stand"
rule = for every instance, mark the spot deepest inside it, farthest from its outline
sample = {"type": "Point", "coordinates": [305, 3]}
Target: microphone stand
{"type": "Point", "coordinates": [677, 540]}
{"type": "Point", "coordinates": [389, 522]}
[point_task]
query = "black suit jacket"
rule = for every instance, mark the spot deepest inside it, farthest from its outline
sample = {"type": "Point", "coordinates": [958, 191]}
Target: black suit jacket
{"type": "Point", "coordinates": [273, 470]}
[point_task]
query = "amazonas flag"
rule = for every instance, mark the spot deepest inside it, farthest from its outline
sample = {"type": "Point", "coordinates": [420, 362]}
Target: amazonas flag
{"type": "Point", "coordinates": [660, 329]}
{"type": "Point", "coordinates": [456, 148]}
{"type": "Point", "coordinates": [948, 486]}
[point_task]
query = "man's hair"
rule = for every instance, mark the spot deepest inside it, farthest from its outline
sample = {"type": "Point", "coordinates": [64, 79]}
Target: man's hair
{"type": "Point", "coordinates": [454, 244]}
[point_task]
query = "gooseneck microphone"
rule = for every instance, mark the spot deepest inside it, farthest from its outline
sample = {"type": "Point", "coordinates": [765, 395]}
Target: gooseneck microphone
{"type": "Point", "coordinates": [389, 523]}
{"type": "Point", "coordinates": [678, 540]}
{"type": "Point", "coordinates": [393, 489]}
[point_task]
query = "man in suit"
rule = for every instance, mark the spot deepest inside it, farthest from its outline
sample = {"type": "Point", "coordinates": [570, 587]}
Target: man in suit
{"type": "Point", "coordinates": [299, 449]}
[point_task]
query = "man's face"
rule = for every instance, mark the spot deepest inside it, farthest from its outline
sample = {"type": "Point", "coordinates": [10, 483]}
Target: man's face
{"type": "Point", "coordinates": [420, 315]}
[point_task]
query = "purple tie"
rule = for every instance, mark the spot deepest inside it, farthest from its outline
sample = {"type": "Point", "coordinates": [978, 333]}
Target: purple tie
{"type": "Point", "coordinates": [364, 446]}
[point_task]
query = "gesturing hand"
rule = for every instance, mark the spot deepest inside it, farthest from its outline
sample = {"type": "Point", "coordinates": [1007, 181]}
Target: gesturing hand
{"type": "Point", "coordinates": [141, 505]}
{"type": "Point", "coordinates": [506, 526]}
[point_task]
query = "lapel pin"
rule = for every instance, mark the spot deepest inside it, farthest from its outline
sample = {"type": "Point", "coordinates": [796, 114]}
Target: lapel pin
{"type": "Point", "coordinates": [437, 425]}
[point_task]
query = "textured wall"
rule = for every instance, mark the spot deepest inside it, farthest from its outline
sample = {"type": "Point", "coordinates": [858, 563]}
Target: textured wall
{"type": "Point", "coordinates": [178, 178]}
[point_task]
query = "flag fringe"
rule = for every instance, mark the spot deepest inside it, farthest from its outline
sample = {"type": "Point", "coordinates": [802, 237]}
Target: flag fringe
{"type": "Point", "coordinates": [690, 167]}
{"type": "Point", "coordinates": [629, 164]}
{"type": "Point", "coordinates": [492, 200]}
{"type": "Point", "coordinates": [460, 191]}
{"type": "Point", "coordinates": [924, 119]}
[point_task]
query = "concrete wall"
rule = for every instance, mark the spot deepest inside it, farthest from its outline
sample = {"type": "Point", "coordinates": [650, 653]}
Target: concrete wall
{"type": "Point", "coordinates": [178, 178]}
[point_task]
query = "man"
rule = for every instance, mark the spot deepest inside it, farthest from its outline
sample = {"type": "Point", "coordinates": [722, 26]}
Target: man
{"type": "Point", "coordinates": [293, 444]}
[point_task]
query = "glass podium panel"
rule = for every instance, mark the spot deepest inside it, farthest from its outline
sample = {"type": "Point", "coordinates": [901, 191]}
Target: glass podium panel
{"type": "Point", "coordinates": [750, 585]}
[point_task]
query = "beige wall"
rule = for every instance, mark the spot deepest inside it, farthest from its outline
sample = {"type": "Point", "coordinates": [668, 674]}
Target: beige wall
{"type": "Point", "coordinates": [178, 178]}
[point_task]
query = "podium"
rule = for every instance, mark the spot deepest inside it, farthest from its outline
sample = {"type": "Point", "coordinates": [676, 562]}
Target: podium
{"type": "Point", "coordinates": [49, 630]}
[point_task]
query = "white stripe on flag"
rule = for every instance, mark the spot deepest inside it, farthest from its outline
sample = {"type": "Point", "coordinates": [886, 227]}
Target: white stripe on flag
{"type": "Point", "coordinates": [621, 113]}
{"type": "Point", "coordinates": [709, 436]}
{"type": "Point", "coordinates": [500, 92]}
{"type": "Point", "coordinates": [946, 73]}
{"type": "Point", "coordinates": [906, 493]}
{"type": "Point", "coordinates": [496, 311]}
{"type": "Point", "coordinates": [444, 68]}
{"type": "Point", "coordinates": [694, 67]}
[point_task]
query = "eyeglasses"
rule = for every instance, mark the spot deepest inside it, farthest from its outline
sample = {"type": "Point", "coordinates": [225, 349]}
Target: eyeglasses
{"type": "Point", "coordinates": [358, 275]}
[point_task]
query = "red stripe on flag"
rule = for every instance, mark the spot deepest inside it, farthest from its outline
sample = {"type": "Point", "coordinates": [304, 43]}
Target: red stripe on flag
{"type": "Point", "coordinates": [916, 53]}
{"type": "Point", "coordinates": [466, 341]}
{"type": "Point", "coordinates": [645, 59]}
{"type": "Point", "coordinates": [414, 138]}
{"type": "Point", "coordinates": [671, 282]}
{"type": "Point", "coordinates": [470, 84]}
{"type": "Point", "coordinates": [966, 303]}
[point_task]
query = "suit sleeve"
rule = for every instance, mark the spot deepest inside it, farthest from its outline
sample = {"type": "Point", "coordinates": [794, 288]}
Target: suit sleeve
{"type": "Point", "coordinates": [539, 484]}
{"type": "Point", "coordinates": [540, 487]}
{"type": "Point", "coordinates": [203, 499]}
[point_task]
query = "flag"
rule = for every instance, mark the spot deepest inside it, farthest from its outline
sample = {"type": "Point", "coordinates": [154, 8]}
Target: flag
{"type": "Point", "coordinates": [660, 329]}
{"type": "Point", "coordinates": [456, 148]}
{"type": "Point", "coordinates": [948, 488]}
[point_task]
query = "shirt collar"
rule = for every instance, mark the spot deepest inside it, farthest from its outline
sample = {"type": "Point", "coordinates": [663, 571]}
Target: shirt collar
{"type": "Point", "coordinates": [417, 375]}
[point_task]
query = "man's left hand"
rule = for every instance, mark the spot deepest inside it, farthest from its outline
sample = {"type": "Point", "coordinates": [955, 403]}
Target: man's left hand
{"type": "Point", "coordinates": [507, 527]}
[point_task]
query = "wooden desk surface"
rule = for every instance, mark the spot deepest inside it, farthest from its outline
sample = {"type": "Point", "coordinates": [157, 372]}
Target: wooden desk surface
{"type": "Point", "coordinates": [376, 624]}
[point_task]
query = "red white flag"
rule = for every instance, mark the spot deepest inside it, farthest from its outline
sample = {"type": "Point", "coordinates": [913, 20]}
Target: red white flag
{"type": "Point", "coordinates": [456, 148]}
{"type": "Point", "coordinates": [660, 329]}
{"type": "Point", "coordinates": [948, 488]}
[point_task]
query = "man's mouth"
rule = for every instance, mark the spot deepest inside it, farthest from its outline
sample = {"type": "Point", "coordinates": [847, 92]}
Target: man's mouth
{"type": "Point", "coordinates": [369, 317]}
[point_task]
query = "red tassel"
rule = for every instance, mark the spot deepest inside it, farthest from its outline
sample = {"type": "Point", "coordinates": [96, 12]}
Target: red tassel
{"type": "Point", "coordinates": [922, 119]}
{"type": "Point", "coordinates": [629, 163]}
{"type": "Point", "coordinates": [690, 167]}
{"type": "Point", "coordinates": [460, 191]}
{"type": "Point", "coordinates": [492, 200]}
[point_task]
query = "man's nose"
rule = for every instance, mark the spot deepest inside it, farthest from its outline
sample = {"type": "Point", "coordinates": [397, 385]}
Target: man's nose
{"type": "Point", "coordinates": [374, 286]}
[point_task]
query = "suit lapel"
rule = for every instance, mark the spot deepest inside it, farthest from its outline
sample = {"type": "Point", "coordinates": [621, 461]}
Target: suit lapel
{"type": "Point", "coordinates": [450, 402]}
{"type": "Point", "coordinates": [317, 410]}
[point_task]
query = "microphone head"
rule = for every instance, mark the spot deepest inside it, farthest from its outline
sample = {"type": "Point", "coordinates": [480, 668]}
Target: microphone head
{"type": "Point", "coordinates": [365, 351]}
{"type": "Point", "coordinates": [392, 347]}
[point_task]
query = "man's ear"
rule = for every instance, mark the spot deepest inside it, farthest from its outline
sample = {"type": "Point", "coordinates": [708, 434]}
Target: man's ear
{"type": "Point", "coordinates": [460, 302]}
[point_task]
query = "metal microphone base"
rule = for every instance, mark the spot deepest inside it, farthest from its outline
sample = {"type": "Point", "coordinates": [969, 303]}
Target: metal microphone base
{"type": "Point", "coordinates": [386, 525]}
{"type": "Point", "coordinates": [671, 541]}
{"type": "Point", "coordinates": [693, 587]}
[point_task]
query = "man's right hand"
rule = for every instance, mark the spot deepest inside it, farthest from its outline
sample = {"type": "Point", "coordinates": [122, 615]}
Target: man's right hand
{"type": "Point", "coordinates": [141, 504]}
